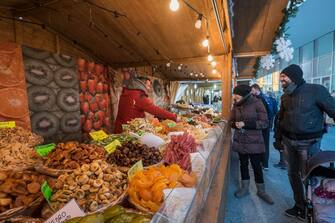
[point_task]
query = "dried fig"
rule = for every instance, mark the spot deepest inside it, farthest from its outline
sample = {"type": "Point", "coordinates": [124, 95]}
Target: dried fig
{"type": "Point", "coordinates": [33, 187]}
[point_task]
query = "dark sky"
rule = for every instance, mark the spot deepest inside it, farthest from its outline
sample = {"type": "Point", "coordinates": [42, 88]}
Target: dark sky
{"type": "Point", "coordinates": [315, 18]}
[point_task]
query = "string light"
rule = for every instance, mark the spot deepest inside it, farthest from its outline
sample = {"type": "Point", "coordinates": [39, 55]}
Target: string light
{"type": "Point", "coordinates": [174, 5]}
{"type": "Point", "coordinates": [168, 64]}
{"type": "Point", "coordinates": [210, 57]}
{"type": "Point", "coordinates": [196, 75]}
{"type": "Point", "coordinates": [214, 71]}
{"type": "Point", "coordinates": [198, 22]}
{"type": "Point", "coordinates": [213, 63]}
{"type": "Point", "coordinates": [191, 74]}
{"type": "Point", "coordinates": [205, 42]}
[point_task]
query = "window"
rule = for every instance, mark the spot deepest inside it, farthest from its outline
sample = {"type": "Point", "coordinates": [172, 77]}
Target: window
{"type": "Point", "coordinates": [323, 60]}
{"type": "Point", "coordinates": [307, 59]}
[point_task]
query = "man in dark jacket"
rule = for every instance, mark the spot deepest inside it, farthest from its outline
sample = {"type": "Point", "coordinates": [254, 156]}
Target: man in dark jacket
{"type": "Point", "coordinates": [301, 123]}
{"type": "Point", "coordinates": [271, 110]}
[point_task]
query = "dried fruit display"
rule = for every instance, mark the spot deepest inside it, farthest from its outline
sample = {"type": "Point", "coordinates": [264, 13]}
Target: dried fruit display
{"type": "Point", "coordinates": [19, 135]}
{"type": "Point", "coordinates": [94, 97]}
{"type": "Point", "coordinates": [72, 155]}
{"type": "Point", "coordinates": [17, 156]}
{"type": "Point", "coordinates": [131, 152]}
{"type": "Point", "coordinates": [140, 126]}
{"type": "Point", "coordinates": [122, 138]}
{"type": "Point", "coordinates": [179, 149]}
{"type": "Point", "coordinates": [20, 189]}
{"type": "Point", "coordinates": [93, 186]}
{"type": "Point", "coordinates": [146, 187]}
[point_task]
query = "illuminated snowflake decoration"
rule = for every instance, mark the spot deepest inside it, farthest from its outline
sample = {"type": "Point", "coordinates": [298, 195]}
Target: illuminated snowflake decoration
{"type": "Point", "coordinates": [284, 49]}
{"type": "Point", "coordinates": [267, 62]}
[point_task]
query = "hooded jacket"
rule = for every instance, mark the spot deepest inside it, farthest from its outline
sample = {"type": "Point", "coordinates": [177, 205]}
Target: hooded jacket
{"type": "Point", "coordinates": [134, 102]}
{"type": "Point", "coordinates": [251, 111]}
{"type": "Point", "coordinates": [301, 113]}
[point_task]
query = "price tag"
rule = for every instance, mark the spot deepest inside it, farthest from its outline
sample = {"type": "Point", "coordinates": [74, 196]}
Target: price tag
{"type": "Point", "coordinates": [46, 191]}
{"type": "Point", "coordinates": [98, 135]}
{"type": "Point", "coordinates": [10, 124]}
{"type": "Point", "coordinates": [70, 210]}
{"type": "Point", "coordinates": [171, 124]}
{"type": "Point", "coordinates": [136, 167]}
{"type": "Point", "coordinates": [44, 150]}
{"type": "Point", "coordinates": [111, 147]}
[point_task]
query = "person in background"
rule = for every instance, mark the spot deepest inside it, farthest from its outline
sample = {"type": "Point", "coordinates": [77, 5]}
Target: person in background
{"type": "Point", "coordinates": [278, 145]}
{"type": "Point", "coordinates": [301, 124]}
{"type": "Point", "coordinates": [134, 102]}
{"type": "Point", "coordinates": [248, 118]}
{"type": "Point", "coordinates": [271, 110]}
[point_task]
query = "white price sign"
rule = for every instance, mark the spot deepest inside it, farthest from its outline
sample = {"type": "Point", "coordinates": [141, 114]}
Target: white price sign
{"type": "Point", "coordinates": [70, 210]}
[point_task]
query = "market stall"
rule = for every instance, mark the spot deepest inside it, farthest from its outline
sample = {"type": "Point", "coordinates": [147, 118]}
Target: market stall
{"type": "Point", "coordinates": [60, 159]}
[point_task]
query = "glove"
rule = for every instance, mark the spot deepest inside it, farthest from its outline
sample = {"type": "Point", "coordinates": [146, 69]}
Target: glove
{"type": "Point", "coordinates": [278, 146]}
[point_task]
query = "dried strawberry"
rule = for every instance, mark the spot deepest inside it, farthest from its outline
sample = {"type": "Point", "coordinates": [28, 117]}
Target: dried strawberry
{"type": "Point", "coordinates": [88, 126]}
{"type": "Point", "coordinates": [92, 85]}
{"type": "Point", "coordinates": [84, 107]}
{"type": "Point", "coordinates": [93, 106]}
{"type": "Point", "coordinates": [97, 125]}
{"type": "Point", "coordinates": [100, 87]}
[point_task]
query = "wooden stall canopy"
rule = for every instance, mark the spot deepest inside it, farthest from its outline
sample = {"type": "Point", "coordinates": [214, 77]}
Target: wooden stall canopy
{"type": "Point", "coordinates": [128, 33]}
{"type": "Point", "coordinates": [255, 23]}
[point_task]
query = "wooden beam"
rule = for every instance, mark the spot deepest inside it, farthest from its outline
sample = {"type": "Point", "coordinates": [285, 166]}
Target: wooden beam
{"type": "Point", "coordinates": [226, 46]}
{"type": "Point", "coordinates": [226, 86]}
{"type": "Point", "coordinates": [186, 60]}
{"type": "Point", "coordinates": [18, 32]}
{"type": "Point", "coordinates": [251, 54]}
{"type": "Point", "coordinates": [227, 20]}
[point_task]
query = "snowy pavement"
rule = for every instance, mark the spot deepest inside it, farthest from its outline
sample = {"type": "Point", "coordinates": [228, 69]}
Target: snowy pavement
{"type": "Point", "coordinates": [251, 209]}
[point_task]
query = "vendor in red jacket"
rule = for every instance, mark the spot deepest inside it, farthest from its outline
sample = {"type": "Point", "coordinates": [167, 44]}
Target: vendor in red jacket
{"type": "Point", "coordinates": [134, 102]}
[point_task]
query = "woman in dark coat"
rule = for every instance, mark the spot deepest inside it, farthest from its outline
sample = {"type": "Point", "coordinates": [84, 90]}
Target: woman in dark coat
{"type": "Point", "coordinates": [248, 118]}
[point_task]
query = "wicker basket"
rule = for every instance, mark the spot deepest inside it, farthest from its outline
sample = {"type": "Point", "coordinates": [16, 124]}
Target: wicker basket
{"type": "Point", "coordinates": [50, 171]}
{"type": "Point", "coordinates": [139, 207]}
{"type": "Point", "coordinates": [14, 212]}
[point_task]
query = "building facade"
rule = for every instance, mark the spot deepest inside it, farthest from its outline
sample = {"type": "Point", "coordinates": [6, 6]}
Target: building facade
{"type": "Point", "coordinates": [317, 60]}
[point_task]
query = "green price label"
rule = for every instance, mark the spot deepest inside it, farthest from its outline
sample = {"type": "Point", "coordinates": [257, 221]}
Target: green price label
{"type": "Point", "coordinates": [44, 150]}
{"type": "Point", "coordinates": [111, 147]}
{"type": "Point", "coordinates": [134, 169]}
{"type": "Point", "coordinates": [171, 124]}
{"type": "Point", "coordinates": [46, 190]}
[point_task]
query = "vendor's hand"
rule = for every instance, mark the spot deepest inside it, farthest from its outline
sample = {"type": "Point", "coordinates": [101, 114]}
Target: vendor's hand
{"type": "Point", "coordinates": [239, 125]}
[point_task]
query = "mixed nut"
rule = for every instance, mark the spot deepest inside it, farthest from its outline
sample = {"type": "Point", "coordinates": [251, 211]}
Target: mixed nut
{"type": "Point", "coordinates": [72, 155]}
{"type": "Point", "coordinates": [17, 156]}
{"type": "Point", "coordinates": [20, 135]}
{"type": "Point", "coordinates": [131, 152]}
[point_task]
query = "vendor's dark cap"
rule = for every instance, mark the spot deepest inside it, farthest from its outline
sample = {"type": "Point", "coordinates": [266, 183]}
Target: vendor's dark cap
{"type": "Point", "coordinates": [242, 90]}
{"type": "Point", "coordinates": [295, 73]}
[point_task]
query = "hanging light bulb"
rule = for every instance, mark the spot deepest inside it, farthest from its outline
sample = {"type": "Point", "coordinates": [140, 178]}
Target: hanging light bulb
{"type": "Point", "coordinates": [196, 75]}
{"type": "Point", "coordinates": [198, 22]}
{"type": "Point", "coordinates": [205, 42]}
{"type": "Point", "coordinates": [174, 5]}
{"type": "Point", "coordinates": [191, 74]}
{"type": "Point", "coordinates": [210, 57]}
{"type": "Point", "coordinates": [214, 71]}
{"type": "Point", "coordinates": [168, 64]}
{"type": "Point", "coordinates": [213, 63]}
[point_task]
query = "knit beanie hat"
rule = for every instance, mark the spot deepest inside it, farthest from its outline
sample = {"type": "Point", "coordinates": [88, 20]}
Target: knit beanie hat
{"type": "Point", "coordinates": [295, 73]}
{"type": "Point", "coordinates": [242, 90]}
